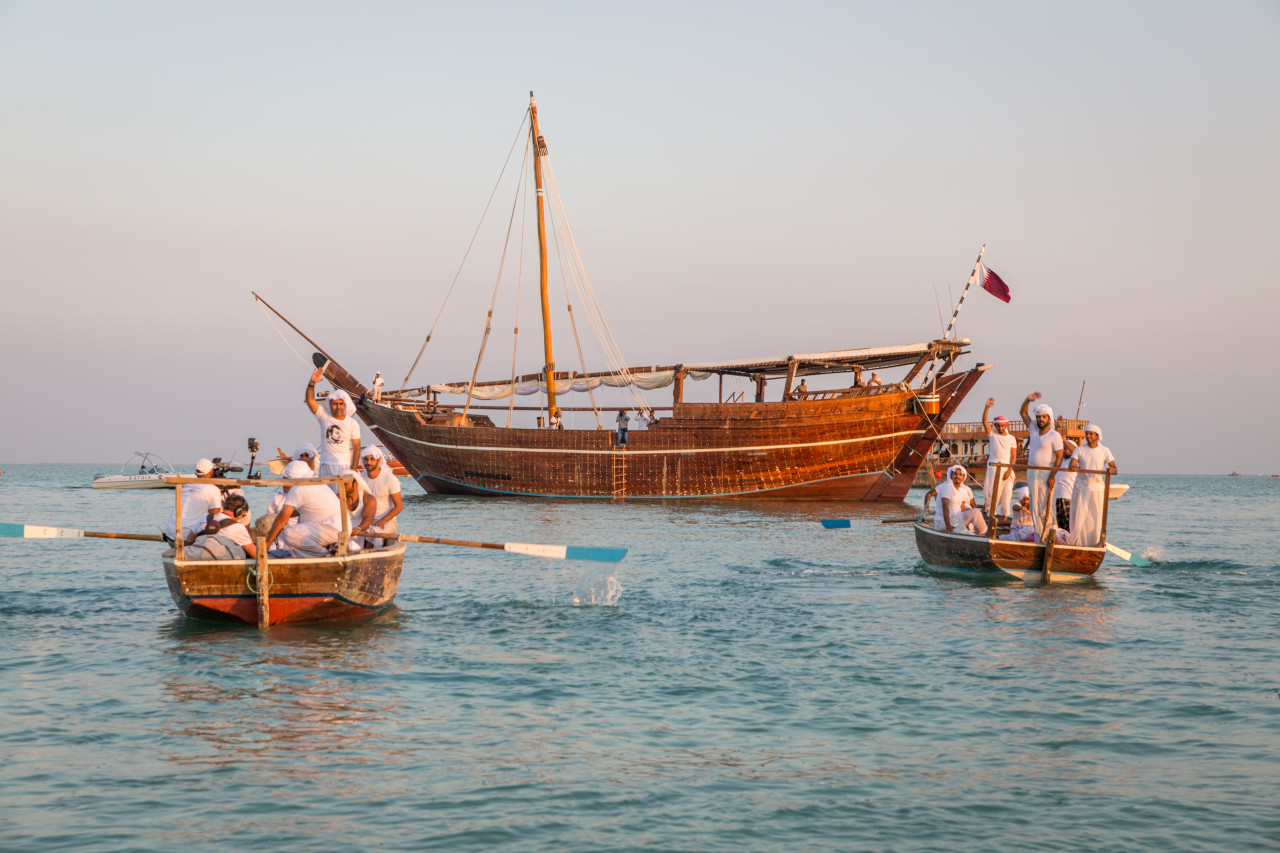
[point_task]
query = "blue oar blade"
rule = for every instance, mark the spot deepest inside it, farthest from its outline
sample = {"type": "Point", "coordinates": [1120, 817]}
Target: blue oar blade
{"type": "Point", "coordinates": [603, 555]}
{"type": "Point", "coordinates": [836, 523]}
{"type": "Point", "coordinates": [14, 531]}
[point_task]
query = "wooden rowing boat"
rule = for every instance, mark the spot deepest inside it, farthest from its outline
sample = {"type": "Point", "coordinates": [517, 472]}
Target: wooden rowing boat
{"type": "Point", "coordinates": [283, 590]}
{"type": "Point", "coordinates": [989, 557]}
{"type": "Point", "coordinates": [982, 557]}
{"type": "Point", "coordinates": [314, 589]}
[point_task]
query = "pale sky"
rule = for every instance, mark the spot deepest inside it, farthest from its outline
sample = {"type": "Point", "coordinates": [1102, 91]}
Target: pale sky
{"type": "Point", "coordinates": [743, 180]}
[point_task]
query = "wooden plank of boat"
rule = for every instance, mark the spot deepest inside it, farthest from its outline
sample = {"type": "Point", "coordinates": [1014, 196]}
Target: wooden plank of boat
{"type": "Point", "coordinates": [299, 589]}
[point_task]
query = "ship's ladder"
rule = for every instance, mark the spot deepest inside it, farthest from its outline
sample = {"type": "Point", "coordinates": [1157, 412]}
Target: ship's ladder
{"type": "Point", "coordinates": [619, 473]}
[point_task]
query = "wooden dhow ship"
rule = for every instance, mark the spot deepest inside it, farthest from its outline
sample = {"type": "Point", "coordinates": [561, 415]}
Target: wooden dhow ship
{"type": "Point", "coordinates": [864, 441]}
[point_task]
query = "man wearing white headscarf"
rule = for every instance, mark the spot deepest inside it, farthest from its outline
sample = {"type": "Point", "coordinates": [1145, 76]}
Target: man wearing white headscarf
{"type": "Point", "coordinates": [383, 489]}
{"type": "Point", "coordinates": [955, 512]}
{"type": "Point", "coordinates": [1002, 446]}
{"type": "Point", "coordinates": [199, 501]}
{"type": "Point", "coordinates": [1089, 495]}
{"type": "Point", "coordinates": [1021, 529]}
{"type": "Point", "coordinates": [339, 431]}
{"type": "Point", "coordinates": [1044, 449]}
{"type": "Point", "coordinates": [319, 516]}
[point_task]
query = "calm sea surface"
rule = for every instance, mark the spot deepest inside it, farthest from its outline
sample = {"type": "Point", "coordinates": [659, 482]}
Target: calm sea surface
{"type": "Point", "coordinates": [760, 683]}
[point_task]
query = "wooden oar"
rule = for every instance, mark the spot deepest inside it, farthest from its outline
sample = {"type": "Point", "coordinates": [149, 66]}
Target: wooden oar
{"type": "Point", "coordinates": [1132, 558]}
{"type": "Point", "coordinates": [555, 552]}
{"type": "Point", "coordinates": [31, 531]}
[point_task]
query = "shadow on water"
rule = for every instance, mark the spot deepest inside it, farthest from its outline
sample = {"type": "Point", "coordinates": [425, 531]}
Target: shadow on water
{"type": "Point", "coordinates": [233, 694]}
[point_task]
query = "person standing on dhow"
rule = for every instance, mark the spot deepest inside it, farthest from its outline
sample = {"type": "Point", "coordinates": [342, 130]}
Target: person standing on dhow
{"type": "Point", "coordinates": [1001, 447]}
{"type": "Point", "coordinates": [1066, 480]}
{"type": "Point", "coordinates": [1044, 449]}
{"type": "Point", "coordinates": [1090, 493]}
{"type": "Point", "coordinates": [339, 432]}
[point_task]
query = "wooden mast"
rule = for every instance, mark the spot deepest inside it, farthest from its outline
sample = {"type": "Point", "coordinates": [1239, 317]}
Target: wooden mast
{"type": "Point", "coordinates": [540, 150]}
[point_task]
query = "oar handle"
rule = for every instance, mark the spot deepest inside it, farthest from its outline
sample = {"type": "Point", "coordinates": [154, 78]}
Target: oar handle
{"type": "Point", "coordinates": [144, 537]}
{"type": "Point", "coordinates": [432, 540]}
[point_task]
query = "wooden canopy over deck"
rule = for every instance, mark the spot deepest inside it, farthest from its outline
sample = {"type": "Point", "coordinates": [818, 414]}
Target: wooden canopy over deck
{"type": "Point", "coordinates": [800, 364]}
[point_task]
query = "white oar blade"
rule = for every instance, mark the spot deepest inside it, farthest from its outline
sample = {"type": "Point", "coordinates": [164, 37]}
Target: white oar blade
{"type": "Point", "coordinates": [566, 552]}
{"type": "Point", "coordinates": [31, 531]}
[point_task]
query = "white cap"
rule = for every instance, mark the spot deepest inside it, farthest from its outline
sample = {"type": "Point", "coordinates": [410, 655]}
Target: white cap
{"type": "Point", "coordinates": [204, 466]}
{"type": "Point", "coordinates": [1094, 428]}
{"type": "Point", "coordinates": [371, 451]}
{"type": "Point", "coordinates": [307, 448]}
{"type": "Point", "coordinates": [1043, 409]}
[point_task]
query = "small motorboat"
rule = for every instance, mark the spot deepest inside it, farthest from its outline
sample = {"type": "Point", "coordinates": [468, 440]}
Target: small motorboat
{"type": "Point", "coordinates": [1117, 491]}
{"type": "Point", "coordinates": [142, 471]}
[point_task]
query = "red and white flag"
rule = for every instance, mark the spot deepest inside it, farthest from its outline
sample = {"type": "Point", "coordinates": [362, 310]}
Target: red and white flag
{"type": "Point", "coordinates": [993, 283]}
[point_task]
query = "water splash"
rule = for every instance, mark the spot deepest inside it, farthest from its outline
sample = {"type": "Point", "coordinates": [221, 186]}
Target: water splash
{"type": "Point", "coordinates": [1154, 553]}
{"type": "Point", "coordinates": [598, 587]}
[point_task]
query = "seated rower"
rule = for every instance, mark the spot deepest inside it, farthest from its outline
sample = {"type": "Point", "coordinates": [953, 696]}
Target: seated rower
{"type": "Point", "coordinates": [226, 536]}
{"type": "Point", "coordinates": [319, 516]}
{"type": "Point", "coordinates": [1023, 528]}
{"type": "Point", "coordinates": [383, 489]}
{"type": "Point", "coordinates": [199, 502]}
{"type": "Point", "coordinates": [955, 512]}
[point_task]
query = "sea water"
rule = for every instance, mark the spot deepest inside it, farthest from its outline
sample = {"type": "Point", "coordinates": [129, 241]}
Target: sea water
{"type": "Point", "coordinates": [743, 680]}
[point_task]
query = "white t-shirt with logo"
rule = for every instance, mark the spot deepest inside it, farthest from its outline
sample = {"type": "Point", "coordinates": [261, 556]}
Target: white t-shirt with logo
{"type": "Point", "coordinates": [336, 437]}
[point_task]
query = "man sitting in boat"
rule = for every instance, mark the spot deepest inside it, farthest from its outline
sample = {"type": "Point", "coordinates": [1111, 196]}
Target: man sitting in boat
{"type": "Point", "coordinates": [384, 489]}
{"type": "Point", "coordinates": [319, 516]}
{"type": "Point", "coordinates": [1090, 492]}
{"type": "Point", "coordinates": [226, 536]}
{"type": "Point", "coordinates": [1023, 528]}
{"type": "Point", "coordinates": [955, 512]}
{"type": "Point", "coordinates": [199, 502]}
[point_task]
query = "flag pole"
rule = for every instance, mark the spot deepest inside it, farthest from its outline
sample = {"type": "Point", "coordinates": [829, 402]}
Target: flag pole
{"type": "Point", "coordinates": [972, 276]}
{"type": "Point", "coordinates": [956, 313]}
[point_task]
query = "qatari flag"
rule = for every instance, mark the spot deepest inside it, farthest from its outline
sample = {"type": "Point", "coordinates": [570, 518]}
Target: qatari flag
{"type": "Point", "coordinates": [993, 283]}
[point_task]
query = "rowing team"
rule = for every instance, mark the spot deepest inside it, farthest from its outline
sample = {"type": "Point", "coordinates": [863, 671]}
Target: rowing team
{"type": "Point", "coordinates": [1076, 499]}
{"type": "Point", "coordinates": [299, 521]}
